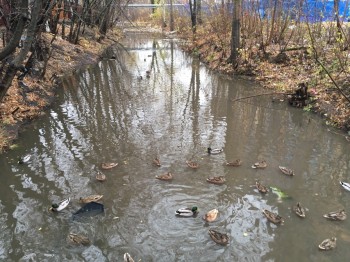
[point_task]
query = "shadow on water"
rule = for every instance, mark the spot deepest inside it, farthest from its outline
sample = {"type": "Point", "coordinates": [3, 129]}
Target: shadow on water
{"type": "Point", "coordinates": [108, 113]}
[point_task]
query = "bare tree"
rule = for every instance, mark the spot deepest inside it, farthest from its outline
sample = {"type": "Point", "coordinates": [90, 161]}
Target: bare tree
{"type": "Point", "coordinates": [236, 31]}
{"type": "Point", "coordinates": [15, 62]}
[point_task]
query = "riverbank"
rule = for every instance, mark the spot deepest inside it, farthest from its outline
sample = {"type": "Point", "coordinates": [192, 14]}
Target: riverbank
{"type": "Point", "coordinates": [29, 99]}
{"type": "Point", "coordinates": [280, 74]}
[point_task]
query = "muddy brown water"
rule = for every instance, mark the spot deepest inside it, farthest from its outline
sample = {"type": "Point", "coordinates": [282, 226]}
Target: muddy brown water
{"type": "Point", "coordinates": [107, 114]}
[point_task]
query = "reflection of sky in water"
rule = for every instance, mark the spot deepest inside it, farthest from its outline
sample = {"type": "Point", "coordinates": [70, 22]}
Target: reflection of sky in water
{"type": "Point", "coordinates": [108, 115]}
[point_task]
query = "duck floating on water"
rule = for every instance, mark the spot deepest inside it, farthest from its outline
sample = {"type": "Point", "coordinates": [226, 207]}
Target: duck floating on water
{"type": "Point", "coordinates": [107, 166]}
{"type": "Point", "coordinates": [91, 198]}
{"type": "Point", "coordinates": [156, 162]}
{"type": "Point", "coordinates": [100, 176]}
{"type": "Point", "coordinates": [237, 162]}
{"type": "Point", "coordinates": [128, 258]}
{"type": "Point", "coordinates": [338, 215]}
{"type": "Point", "coordinates": [273, 217]}
{"type": "Point", "coordinates": [167, 176]}
{"type": "Point", "coordinates": [299, 210]}
{"type": "Point", "coordinates": [345, 185]}
{"type": "Point", "coordinates": [24, 159]}
{"type": "Point", "coordinates": [261, 188]}
{"type": "Point", "coordinates": [328, 244]}
{"type": "Point", "coordinates": [286, 171]}
{"type": "Point", "coordinates": [78, 239]}
{"type": "Point", "coordinates": [214, 151]}
{"type": "Point", "coordinates": [219, 238]}
{"type": "Point", "coordinates": [192, 164]}
{"type": "Point", "coordinates": [211, 215]}
{"type": "Point", "coordinates": [218, 180]}
{"type": "Point", "coordinates": [261, 164]}
{"type": "Point", "coordinates": [187, 211]}
{"type": "Point", "coordinates": [60, 206]}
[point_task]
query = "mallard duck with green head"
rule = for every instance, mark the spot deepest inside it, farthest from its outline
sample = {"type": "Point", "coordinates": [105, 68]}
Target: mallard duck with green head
{"type": "Point", "coordinates": [24, 159]}
{"type": "Point", "coordinates": [328, 244]}
{"type": "Point", "coordinates": [299, 210]}
{"type": "Point", "coordinates": [218, 180]}
{"type": "Point", "coordinates": [60, 206]}
{"type": "Point", "coordinates": [273, 217]}
{"type": "Point", "coordinates": [187, 211]}
{"type": "Point", "coordinates": [345, 185]}
{"type": "Point", "coordinates": [218, 237]}
{"type": "Point", "coordinates": [128, 258]}
{"type": "Point", "coordinates": [214, 151]}
{"type": "Point", "coordinates": [337, 215]}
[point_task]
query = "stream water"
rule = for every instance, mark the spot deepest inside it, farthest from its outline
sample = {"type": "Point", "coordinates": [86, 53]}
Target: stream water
{"type": "Point", "coordinates": [106, 113]}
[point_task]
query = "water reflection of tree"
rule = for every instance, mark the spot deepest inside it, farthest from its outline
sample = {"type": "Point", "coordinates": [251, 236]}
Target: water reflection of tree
{"type": "Point", "coordinates": [193, 101]}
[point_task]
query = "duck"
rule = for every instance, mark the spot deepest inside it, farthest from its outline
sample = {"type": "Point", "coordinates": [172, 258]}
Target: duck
{"type": "Point", "coordinates": [192, 164]}
{"type": "Point", "coordinates": [299, 210]}
{"type": "Point", "coordinates": [328, 244]}
{"type": "Point", "coordinates": [24, 159]}
{"type": "Point", "coordinates": [91, 198]}
{"type": "Point", "coordinates": [211, 215]}
{"type": "Point", "coordinates": [60, 206]}
{"type": "Point", "coordinates": [286, 171]}
{"type": "Point", "coordinates": [187, 211]}
{"type": "Point", "coordinates": [273, 217]}
{"type": "Point", "coordinates": [338, 215]}
{"type": "Point", "coordinates": [107, 166]}
{"type": "Point", "coordinates": [214, 151]}
{"type": "Point", "coordinates": [128, 258]}
{"type": "Point", "coordinates": [345, 185]}
{"type": "Point", "coordinates": [218, 180]}
{"type": "Point", "coordinates": [219, 238]}
{"type": "Point", "coordinates": [100, 176]}
{"type": "Point", "coordinates": [260, 164]}
{"type": "Point", "coordinates": [156, 162]}
{"type": "Point", "coordinates": [237, 162]}
{"type": "Point", "coordinates": [166, 176]}
{"type": "Point", "coordinates": [261, 188]}
{"type": "Point", "coordinates": [78, 239]}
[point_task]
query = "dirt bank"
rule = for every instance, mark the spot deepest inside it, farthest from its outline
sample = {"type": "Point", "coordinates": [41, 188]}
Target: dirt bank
{"type": "Point", "coordinates": [28, 99]}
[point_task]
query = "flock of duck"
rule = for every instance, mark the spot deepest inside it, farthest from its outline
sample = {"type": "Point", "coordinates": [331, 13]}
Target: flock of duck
{"type": "Point", "coordinates": [223, 238]}
{"type": "Point", "coordinates": [210, 216]}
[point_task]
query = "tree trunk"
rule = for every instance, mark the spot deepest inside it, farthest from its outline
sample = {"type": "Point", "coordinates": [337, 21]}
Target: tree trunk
{"type": "Point", "coordinates": [16, 63]}
{"type": "Point", "coordinates": [16, 37]}
{"type": "Point", "coordinates": [336, 13]}
{"type": "Point", "coordinates": [199, 11]}
{"type": "Point", "coordinates": [193, 11]}
{"type": "Point", "coordinates": [171, 16]}
{"type": "Point", "coordinates": [236, 31]}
